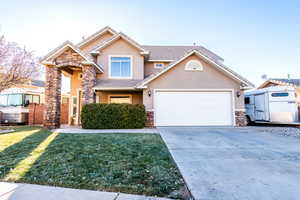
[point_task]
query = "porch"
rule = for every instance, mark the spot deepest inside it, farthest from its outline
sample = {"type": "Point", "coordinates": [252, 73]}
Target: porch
{"type": "Point", "coordinates": [105, 91]}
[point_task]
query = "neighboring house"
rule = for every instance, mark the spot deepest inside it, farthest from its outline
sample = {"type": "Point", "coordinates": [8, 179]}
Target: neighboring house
{"type": "Point", "coordinates": [179, 85]}
{"type": "Point", "coordinates": [284, 82]}
{"type": "Point", "coordinates": [14, 101]}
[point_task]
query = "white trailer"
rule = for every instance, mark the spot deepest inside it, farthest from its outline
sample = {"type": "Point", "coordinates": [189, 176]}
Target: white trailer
{"type": "Point", "coordinates": [276, 104]}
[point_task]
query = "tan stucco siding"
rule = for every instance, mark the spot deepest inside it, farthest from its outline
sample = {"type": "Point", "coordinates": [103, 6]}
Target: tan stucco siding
{"type": "Point", "coordinates": [122, 48]}
{"type": "Point", "coordinates": [149, 68]}
{"type": "Point", "coordinates": [137, 97]}
{"type": "Point", "coordinates": [179, 78]}
{"type": "Point", "coordinates": [75, 83]}
{"type": "Point", "coordinates": [92, 44]}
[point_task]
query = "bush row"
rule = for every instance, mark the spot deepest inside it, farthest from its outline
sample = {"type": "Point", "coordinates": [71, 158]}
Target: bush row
{"type": "Point", "coordinates": [113, 116]}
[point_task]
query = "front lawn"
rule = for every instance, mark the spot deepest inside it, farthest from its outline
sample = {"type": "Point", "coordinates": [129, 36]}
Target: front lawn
{"type": "Point", "coordinates": [129, 163]}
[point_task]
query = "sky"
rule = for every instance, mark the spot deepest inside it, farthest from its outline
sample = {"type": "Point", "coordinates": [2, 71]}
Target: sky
{"type": "Point", "coordinates": [254, 37]}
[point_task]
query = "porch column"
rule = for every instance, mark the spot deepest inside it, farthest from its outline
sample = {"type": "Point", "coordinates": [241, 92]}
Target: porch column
{"type": "Point", "coordinates": [52, 97]}
{"type": "Point", "coordinates": [88, 82]}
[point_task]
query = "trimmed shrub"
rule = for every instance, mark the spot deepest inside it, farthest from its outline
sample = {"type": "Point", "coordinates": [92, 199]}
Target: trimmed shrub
{"type": "Point", "coordinates": [113, 116]}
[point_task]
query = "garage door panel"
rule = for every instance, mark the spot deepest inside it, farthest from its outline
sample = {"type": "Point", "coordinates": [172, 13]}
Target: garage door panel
{"type": "Point", "coordinates": [193, 108]}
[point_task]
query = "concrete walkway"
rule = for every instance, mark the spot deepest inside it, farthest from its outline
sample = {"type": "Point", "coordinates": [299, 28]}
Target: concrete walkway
{"type": "Point", "coordinates": [76, 129]}
{"type": "Point", "coordinates": [18, 191]}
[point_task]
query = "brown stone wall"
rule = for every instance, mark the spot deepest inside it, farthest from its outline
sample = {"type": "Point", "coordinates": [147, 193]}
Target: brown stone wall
{"type": "Point", "coordinates": [88, 82]}
{"type": "Point", "coordinates": [69, 56]}
{"type": "Point", "coordinates": [36, 112]}
{"type": "Point", "coordinates": [240, 118]}
{"type": "Point", "coordinates": [52, 97]}
{"type": "Point", "coordinates": [150, 119]}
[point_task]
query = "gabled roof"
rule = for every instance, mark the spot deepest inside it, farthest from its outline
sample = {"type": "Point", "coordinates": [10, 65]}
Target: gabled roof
{"type": "Point", "coordinates": [63, 47]}
{"type": "Point", "coordinates": [172, 53]}
{"type": "Point", "coordinates": [96, 35]}
{"type": "Point", "coordinates": [115, 38]}
{"type": "Point", "coordinates": [246, 84]}
{"type": "Point", "coordinates": [282, 81]}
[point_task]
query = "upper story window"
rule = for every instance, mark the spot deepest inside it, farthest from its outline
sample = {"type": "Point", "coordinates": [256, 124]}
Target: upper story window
{"type": "Point", "coordinates": [120, 67]}
{"type": "Point", "coordinates": [158, 65]}
{"type": "Point", "coordinates": [194, 65]}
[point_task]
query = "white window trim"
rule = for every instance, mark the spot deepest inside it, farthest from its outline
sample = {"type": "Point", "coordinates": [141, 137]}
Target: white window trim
{"type": "Point", "coordinates": [120, 77]}
{"type": "Point", "coordinates": [186, 68]}
{"type": "Point", "coordinates": [120, 95]}
{"type": "Point", "coordinates": [158, 63]}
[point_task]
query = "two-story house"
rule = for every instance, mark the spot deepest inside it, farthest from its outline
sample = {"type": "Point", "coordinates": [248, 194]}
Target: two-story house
{"type": "Point", "coordinates": [179, 85]}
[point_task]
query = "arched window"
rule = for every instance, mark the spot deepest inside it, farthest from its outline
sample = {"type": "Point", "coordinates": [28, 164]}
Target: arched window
{"type": "Point", "coordinates": [194, 65]}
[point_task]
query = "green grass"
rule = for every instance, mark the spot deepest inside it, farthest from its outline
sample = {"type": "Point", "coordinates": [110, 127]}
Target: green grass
{"type": "Point", "coordinates": [129, 163]}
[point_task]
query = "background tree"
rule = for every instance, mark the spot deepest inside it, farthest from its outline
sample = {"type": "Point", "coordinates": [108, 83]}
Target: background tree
{"type": "Point", "coordinates": [17, 65]}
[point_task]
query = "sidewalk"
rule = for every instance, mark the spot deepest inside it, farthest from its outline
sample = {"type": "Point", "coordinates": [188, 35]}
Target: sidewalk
{"type": "Point", "coordinates": [19, 191]}
{"type": "Point", "coordinates": [77, 129]}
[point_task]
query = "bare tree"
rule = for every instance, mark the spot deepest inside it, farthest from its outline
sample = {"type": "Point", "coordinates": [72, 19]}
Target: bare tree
{"type": "Point", "coordinates": [17, 65]}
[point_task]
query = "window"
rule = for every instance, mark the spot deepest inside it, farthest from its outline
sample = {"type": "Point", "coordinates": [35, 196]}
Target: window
{"type": "Point", "coordinates": [280, 94]}
{"type": "Point", "coordinates": [3, 100]}
{"type": "Point", "coordinates": [120, 67]}
{"type": "Point", "coordinates": [64, 100]}
{"type": "Point", "coordinates": [29, 98]}
{"type": "Point", "coordinates": [15, 100]}
{"type": "Point", "coordinates": [74, 106]}
{"type": "Point", "coordinates": [247, 100]}
{"type": "Point", "coordinates": [80, 76]}
{"type": "Point", "coordinates": [194, 65]}
{"type": "Point", "coordinates": [120, 99]}
{"type": "Point", "coordinates": [159, 65]}
{"type": "Point", "coordinates": [36, 99]}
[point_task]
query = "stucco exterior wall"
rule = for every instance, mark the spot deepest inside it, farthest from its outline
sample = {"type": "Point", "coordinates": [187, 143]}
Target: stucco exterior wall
{"type": "Point", "coordinates": [179, 78]}
{"type": "Point", "coordinates": [92, 44]}
{"type": "Point", "coordinates": [75, 82]}
{"type": "Point", "coordinates": [137, 97]}
{"type": "Point", "coordinates": [149, 68]}
{"type": "Point", "coordinates": [117, 48]}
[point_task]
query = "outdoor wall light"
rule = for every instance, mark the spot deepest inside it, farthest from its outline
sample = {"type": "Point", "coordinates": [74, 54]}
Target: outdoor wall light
{"type": "Point", "coordinates": [149, 93]}
{"type": "Point", "coordinates": [238, 94]}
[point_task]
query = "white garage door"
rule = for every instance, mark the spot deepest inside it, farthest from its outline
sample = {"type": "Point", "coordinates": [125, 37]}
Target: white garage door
{"type": "Point", "coordinates": [193, 108]}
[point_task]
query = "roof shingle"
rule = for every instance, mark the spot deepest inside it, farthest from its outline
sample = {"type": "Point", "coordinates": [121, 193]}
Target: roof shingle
{"type": "Point", "coordinates": [175, 52]}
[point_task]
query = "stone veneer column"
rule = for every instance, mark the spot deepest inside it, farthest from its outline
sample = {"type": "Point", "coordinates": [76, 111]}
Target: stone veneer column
{"type": "Point", "coordinates": [52, 97]}
{"type": "Point", "coordinates": [240, 118]}
{"type": "Point", "coordinates": [150, 119]}
{"type": "Point", "coordinates": [88, 82]}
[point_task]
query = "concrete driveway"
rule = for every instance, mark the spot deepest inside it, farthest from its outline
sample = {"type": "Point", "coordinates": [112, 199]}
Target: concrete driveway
{"type": "Point", "coordinates": [236, 163]}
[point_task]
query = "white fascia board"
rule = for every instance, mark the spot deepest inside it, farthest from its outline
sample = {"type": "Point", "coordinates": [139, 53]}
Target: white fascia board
{"type": "Point", "coordinates": [106, 29]}
{"type": "Point", "coordinates": [120, 35]}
